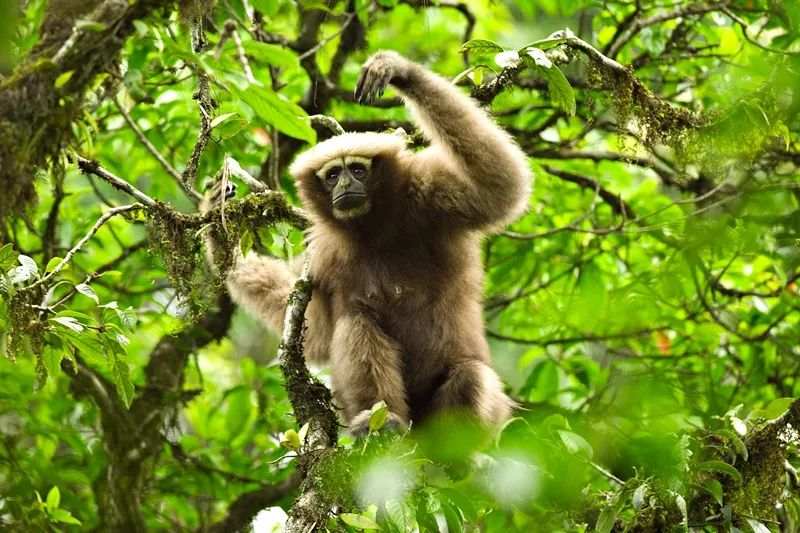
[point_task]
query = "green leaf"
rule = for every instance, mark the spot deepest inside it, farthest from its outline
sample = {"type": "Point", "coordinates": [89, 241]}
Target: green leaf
{"type": "Point", "coordinates": [51, 265]}
{"type": "Point", "coordinates": [543, 383]}
{"type": "Point", "coordinates": [63, 78]}
{"type": "Point", "coordinates": [120, 374]}
{"type": "Point", "coordinates": [561, 93]}
{"type": "Point", "coordinates": [238, 413]}
{"type": "Point", "coordinates": [739, 425]}
{"type": "Point", "coordinates": [757, 526]}
{"type": "Point", "coordinates": [222, 118]}
{"type": "Point", "coordinates": [246, 241]}
{"type": "Point", "coordinates": [272, 54]}
{"type": "Point", "coordinates": [361, 8]}
{"type": "Point", "coordinates": [775, 409]}
{"type": "Point", "coordinates": [290, 439]}
{"type": "Point", "coordinates": [87, 291]}
{"type": "Point", "coordinates": [575, 444]}
{"type": "Point", "coordinates": [714, 487]}
{"type": "Point", "coordinates": [738, 444]}
{"type": "Point", "coordinates": [69, 322]}
{"type": "Point", "coordinates": [481, 46]}
{"type": "Point", "coordinates": [544, 44]}
{"type": "Point", "coordinates": [268, 7]}
{"type": "Point", "coordinates": [358, 521]}
{"type": "Point", "coordinates": [274, 109]}
{"type": "Point", "coordinates": [607, 518]}
{"type": "Point", "coordinates": [51, 358]}
{"type": "Point", "coordinates": [90, 25]}
{"type": "Point", "coordinates": [141, 28]}
{"type": "Point", "coordinates": [378, 416]}
{"type": "Point", "coordinates": [721, 467]}
{"type": "Point", "coordinates": [85, 342]}
{"type": "Point", "coordinates": [8, 257]}
{"type": "Point", "coordinates": [53, 499]}
{"type": "Point", "coordinates": [539, 57]}
{"type": "Point", "coordinates": [453, 517]}
{"type": "Point", "coordinates": [65, 517]}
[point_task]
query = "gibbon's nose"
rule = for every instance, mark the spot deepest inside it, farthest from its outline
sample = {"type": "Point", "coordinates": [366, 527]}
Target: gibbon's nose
{"type": "Point", "coordinates": [349, 192]}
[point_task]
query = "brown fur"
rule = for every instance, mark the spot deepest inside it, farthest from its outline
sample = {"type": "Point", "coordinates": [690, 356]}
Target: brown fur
{"type": "Point", "coordinates": [397, 296]}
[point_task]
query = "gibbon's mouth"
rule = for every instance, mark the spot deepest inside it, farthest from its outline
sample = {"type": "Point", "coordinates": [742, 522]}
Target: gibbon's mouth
{"type": "Point", "coordinates": [360, 207]}
{"type": "Point", "coordinates": [349, 200]}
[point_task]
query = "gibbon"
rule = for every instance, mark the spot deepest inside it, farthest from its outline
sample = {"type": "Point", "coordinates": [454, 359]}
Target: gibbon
{"type": "Point", "coordinates": [394, 253]}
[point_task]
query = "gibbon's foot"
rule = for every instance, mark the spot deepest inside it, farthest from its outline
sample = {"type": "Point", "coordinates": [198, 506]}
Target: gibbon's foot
{"type": "Point", "coordinates": [359, 426]}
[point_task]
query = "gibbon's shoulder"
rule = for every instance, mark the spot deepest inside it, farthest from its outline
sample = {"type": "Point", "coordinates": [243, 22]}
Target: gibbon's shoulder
{"type": "Point", "coordinates": [364, 144]}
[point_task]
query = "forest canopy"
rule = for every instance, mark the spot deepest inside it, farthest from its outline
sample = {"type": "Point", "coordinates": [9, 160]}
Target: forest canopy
{"type": "Point", "coordinates": [644, 313]}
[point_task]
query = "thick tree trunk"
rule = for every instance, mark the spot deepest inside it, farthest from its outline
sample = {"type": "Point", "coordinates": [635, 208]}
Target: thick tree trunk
{"type": "Point", "coordinates": [35, 115]}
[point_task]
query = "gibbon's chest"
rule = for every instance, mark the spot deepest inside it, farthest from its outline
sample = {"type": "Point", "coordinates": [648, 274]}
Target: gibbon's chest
{"type": "Point", "coordinates": [403, 278]}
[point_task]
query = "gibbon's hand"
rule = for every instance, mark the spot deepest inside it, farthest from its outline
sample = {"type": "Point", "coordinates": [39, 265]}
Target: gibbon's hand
{"type": "Point", "coordinates": [379, 71]}
{"type": "Point", "coordinates": [213, 194]}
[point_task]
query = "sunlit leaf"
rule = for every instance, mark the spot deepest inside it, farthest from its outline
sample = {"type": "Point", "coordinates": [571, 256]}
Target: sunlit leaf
{"type": "Point", "coordinates": [273, 109]}
{"type": "Point", "coordinates": [358, 521]}
{"type": "Point", "coordinates": [720, 467]}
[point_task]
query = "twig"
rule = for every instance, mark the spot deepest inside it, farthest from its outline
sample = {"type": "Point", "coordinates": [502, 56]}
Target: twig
{"type": "Point", "coordinates": [206, 106]}
{"type": "Point", "coordinates": [615, 201]}
{"type": "Point", "coordinates": [75, 249]}
{"type": "Point", "coordinates": [172, 171]}
{"type": "Point", "coordinates": [236, 169]}
{"type": "Point", "coordinates": [743, 24]}
{"type": "Point", "coordinates": [247, 505]}
{"type": "Point", "coordinates": [230, 30]}
{"type": "Point", "coordinates": [636, 24]}
{"type": "Point", "coordinates": [314, 49]}
{"type": "Point", "coordinates": [88, 166]}
{"type": "Point", "coordinates": [611, 477]}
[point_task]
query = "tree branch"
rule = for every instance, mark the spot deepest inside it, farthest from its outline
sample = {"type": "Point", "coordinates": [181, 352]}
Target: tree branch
{"type": "Point", "coordinates": [246, 506]}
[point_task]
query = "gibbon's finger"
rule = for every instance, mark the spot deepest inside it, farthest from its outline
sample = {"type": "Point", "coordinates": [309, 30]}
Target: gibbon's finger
{"type": "Point", "coordinates": [362, 78]}
{"type": "Point", "coordinates": [230, 190]}
{"type": "Point", "coordinates": [379, 82]}
{"type": "Point", "coordinates": [366, 90]}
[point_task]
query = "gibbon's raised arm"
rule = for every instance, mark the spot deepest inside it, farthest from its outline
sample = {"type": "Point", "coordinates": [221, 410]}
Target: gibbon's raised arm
{"type": "Point", "coordinates": [473, 170]}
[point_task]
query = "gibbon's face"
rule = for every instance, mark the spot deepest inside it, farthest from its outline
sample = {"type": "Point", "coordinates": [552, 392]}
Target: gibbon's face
{"type": "Point", "coordinates": [346, 180]}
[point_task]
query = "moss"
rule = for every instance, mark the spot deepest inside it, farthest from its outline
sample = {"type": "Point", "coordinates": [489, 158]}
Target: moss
{"type": "Point", "coordinates": [763, 475]}
{"type": "Point", "coordinates": [175, 242]}
{"type": "Point", "coordinates": [712, 142]}
{"type": "Point", "coordinates": [25, 330]}
{"type": "Point", "coordinates": [177, 239]}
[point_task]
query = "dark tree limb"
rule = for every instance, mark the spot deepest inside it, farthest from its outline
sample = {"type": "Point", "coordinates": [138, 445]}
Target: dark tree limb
{"type": "Point", "coordinates": [137, 435]}
{"type": "Point", "coordinates": [313, 405]}
{"type": "Point", "coordinates": [615, 201]}
{"type": "Point", "coordinates": [35, 118]}
{"type": "Point", "coordinates": [245, 507]}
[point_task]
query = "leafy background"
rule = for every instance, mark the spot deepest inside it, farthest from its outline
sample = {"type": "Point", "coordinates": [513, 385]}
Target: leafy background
{"type": "Point", "coordinates": [644, 313]}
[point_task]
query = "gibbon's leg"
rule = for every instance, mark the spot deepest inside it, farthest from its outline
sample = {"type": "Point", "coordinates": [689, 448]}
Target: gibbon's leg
{"type": "Point", "coordinates": [473, 385]}
{"type": "Point", "coordinates": [366, 369]}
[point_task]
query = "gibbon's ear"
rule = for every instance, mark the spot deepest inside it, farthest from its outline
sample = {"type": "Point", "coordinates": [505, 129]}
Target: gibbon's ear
{"type": "Point", "coordinates": [367, 145]}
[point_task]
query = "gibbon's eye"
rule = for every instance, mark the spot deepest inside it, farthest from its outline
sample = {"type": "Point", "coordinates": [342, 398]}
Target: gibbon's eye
{"type": "Point", "coordinates": [333, 175]}
{"type": "Point", "coordinates": [358, 170]}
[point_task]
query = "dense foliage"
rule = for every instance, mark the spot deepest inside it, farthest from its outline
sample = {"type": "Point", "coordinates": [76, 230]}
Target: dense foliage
{"type": "Point", "coordinates": [645, 312]}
